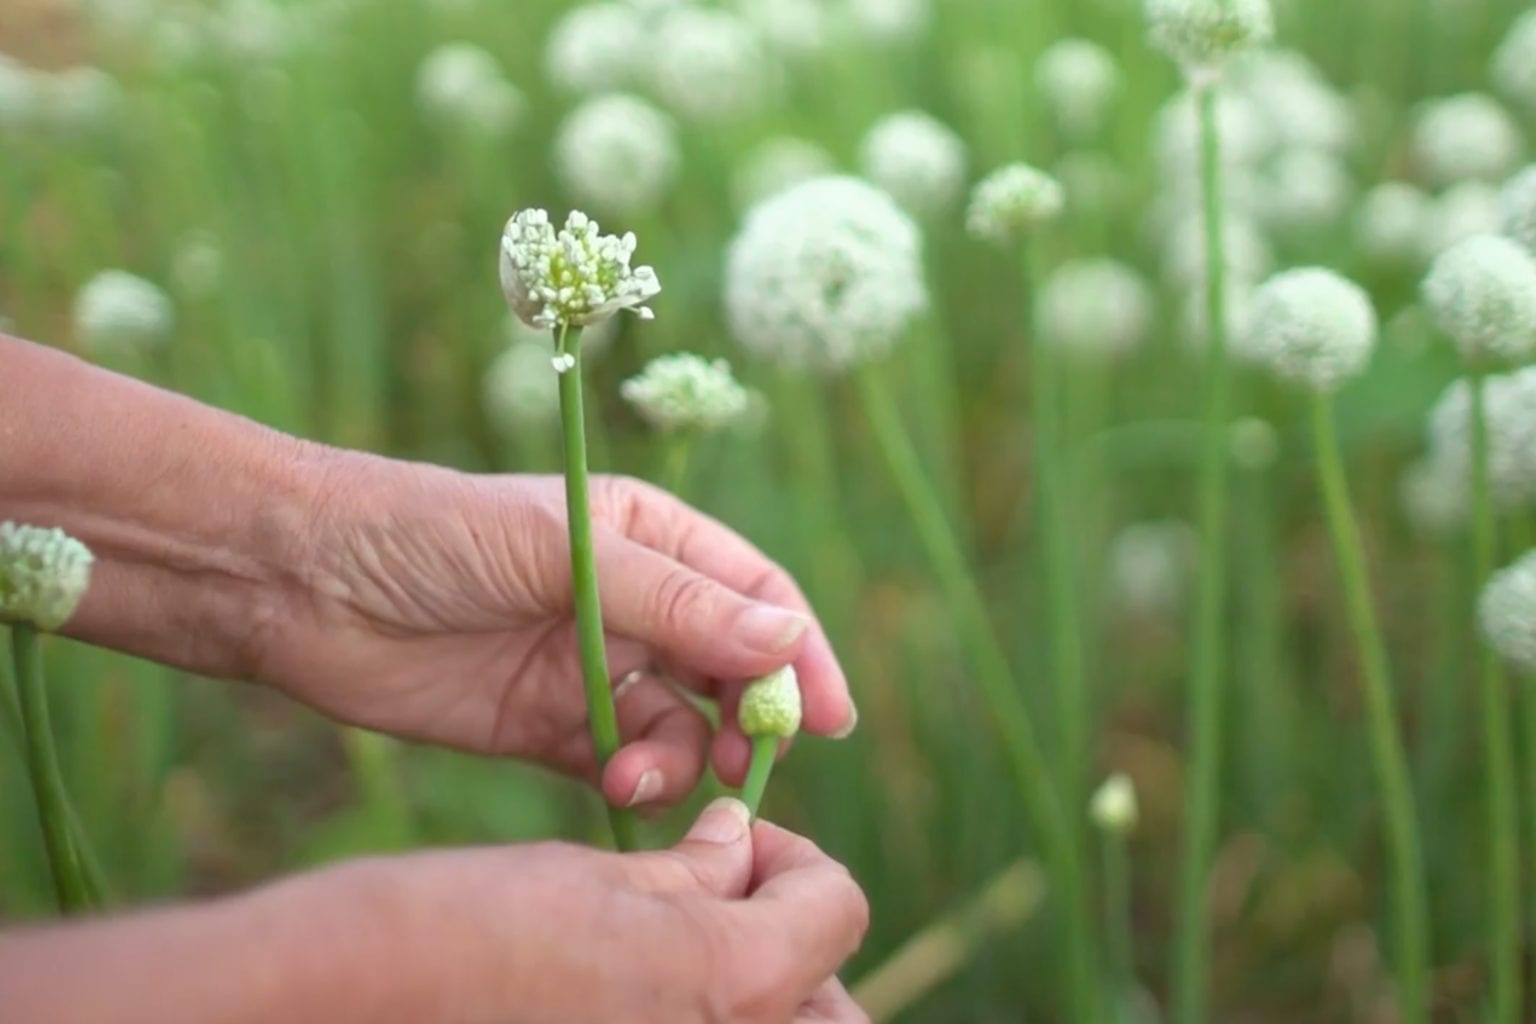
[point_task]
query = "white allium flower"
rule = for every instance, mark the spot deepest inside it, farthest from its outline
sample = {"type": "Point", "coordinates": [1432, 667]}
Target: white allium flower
{"type": "Point", "coordinates": [617, 153]}
{"type": "Point", "coordinates": [1079, 79]}
{"type": "Point", "coordinates": [1509, 402]}
{"type": "Point", "coordinates": [709, 64]}
{"type": "Point", "coordinates": [1299, 107]}
{"type": "Point", "coordinates": [520, 389]}
{"type": "Point", "coordinates": [1307, 190]}
{"type": "Point", "coordinates": [888, 22]}
{"type": "Point", "coordinates": [1517, 209]}
{"type": "Point", "coordinates": [683, 391]}
{"type": "Point", "coordinates": [795, 28]}
{"type": "Point", "coordinates": [825, 275]}
{"type": "Point", "coordinates": [462, 84]}
{"type": "Point", "coordinates": [1254, 443]}
{"type": "Point", "coordinates": [1096, 309]}
{"type": "Point", "coordinates": [1244, 247]}
{"type": "Point", "coordinates": [917, 158]}
{"type": "Point", "coordinates": [1311, 327]}
{"type": "Point", "coordinates": [1435, 496]}
{"type": "Point", "coordinates": [80, 99]}
{"type": "Point", "coordinates": [1461, 212]}
{"type": "Point", "coordinates": [1246, 137]}
{"type": "Point", "coordinates": [1113, 807]}
{"type": "Point", "coordinates": [117, 312]}
{"type": "Point", "coordinates": [1012, 202]}
{"type": "Point", "coordinates": [18, 94]}
{"type": "Point", "coordinates": [1514, 63]}
{"type": "Point", "coordinates": [777, 164]}
{"type": "Point", "coordinates": [771, 706]}
{"type": "Point", "coordinates": [43, 575]}
{"type": "Point", "coordinates": [1201, 35]}
{"type": "Point", "coordinates": [596, 48]}
{"type": "Point", "coordinates": [1150, 566]}
{"type": "Point", "coordinates": [573, 277]}
{"type": "Point", "coordinates": [1483, 294]}
{"type": "Point", "coordinates": [1466, 137]}
{"type": "Point", "coordinates": [1391, 222]}
{"type": "Point", "coordinates": [1507, 612]}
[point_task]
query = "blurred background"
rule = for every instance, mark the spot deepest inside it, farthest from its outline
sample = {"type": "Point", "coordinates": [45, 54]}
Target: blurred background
{"type": "Point", "coordinates": [297, 206]}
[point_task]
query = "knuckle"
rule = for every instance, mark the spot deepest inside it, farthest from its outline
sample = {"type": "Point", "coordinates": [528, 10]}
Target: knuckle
{"type": "Point", "coordinates": [686, 597]}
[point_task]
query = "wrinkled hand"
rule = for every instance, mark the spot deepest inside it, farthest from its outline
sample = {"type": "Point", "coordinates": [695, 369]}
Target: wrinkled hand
{"type": "Point", "coordinates": [437, 606]}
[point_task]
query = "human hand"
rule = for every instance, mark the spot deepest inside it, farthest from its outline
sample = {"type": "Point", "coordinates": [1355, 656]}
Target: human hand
{"type": "Point", "coordinates": [437, 606]}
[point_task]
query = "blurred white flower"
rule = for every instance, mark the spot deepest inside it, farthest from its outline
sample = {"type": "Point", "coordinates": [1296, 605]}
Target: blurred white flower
{"type": "Point", "coordinates": [1244, 247]}
{"type": "Point", "coordinates": [18, 94]}
{"type": "Point", "coordinates": [682, 391]}
{"type": "Point", "coordinates": [887, 22]}
{"type": "Point", "coordinates": [1482, 293]}
{"type": "Point", "coordinates": [1391, 223]}
{"type": "Point", "coordinates": [795, 28]}
{"type": "Point", "coordinates": [574, 277]}
{"type": "Point", "coordinates": [1094, 309]}
{"type": "Point", "coordinates": [1254, 443]}
{"type": "Point", "coordinates": [1201, 35]}
{"type": "Point", "coordinates": [617, 153]}
{"type": "Point", "coordinates": [825, 275]}
{"type": "Point", "coordinates": [1305, 190]}
{"type": "Point", "coordinates": [1507, 612]}
{"type": "Point", "coordinates": [1012, 202]}
{"type": "Point", "coordinates": [1517, 209]}
{"type": "Point", "coordinates": [1299, 107]}
{"type": "Point", "coordinates": [1461, 212]}
{"type": "Point", "coordinates": [43, 575]}
{"type": "Point", "coordinates": [1245, 136]}
{"type": "Point", "coordinates": [596, 48]}
{"type": "Point", "coordinates": [1150, 566]}
{"type": "Point", "coordinates": [79, 100]}
{"type": "Point", "coordinates": [1514, 63]}
{"type": "Point", "coordinates": [462, 84]}
{"type": "Point", "coordinates": [1113, 807]}
{"type": "Point", "coordinates": [1311, 327]}
{"type": "Point", "coordinates": [777, 164]}
{"type": "Point", "coordinates": [520, 389]}
{"type": "Point", "coordinates": [1435, 497]}
{"type": "Point", "coordinates": [1079, 79]}
{"type": "Point", "coordinates": [198, 264]}
{"type": "Point", "coordinates": [1510, 408]}
{"type": "Point", "coordinates": [1196, 318]}
{"type": "Point", "coordinates": [709, 64]}
{"type": "Point", "coordinates": [1093, 182]}
{"type": "Point", "coordinates": [917, 158]}
{"type": "Point", "coordinates": [1465, 137]}
{"type": "Point", "coordinates": [119, 313]}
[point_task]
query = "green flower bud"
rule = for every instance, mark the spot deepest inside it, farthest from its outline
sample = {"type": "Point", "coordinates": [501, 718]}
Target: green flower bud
{"type": "Point", "coordinates": [771, 705]}
{"type": "Point", "coordinates": [43, 575]}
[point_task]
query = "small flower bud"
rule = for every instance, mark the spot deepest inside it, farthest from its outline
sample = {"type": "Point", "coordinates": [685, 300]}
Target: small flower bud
{"type": "Point", "coordinates": [1114, 808]}
{"type": "Point", "coordinates": [1508, 613]}
{"type": "Point", "coordinates": [771, 705]}
{"type": "Point", "coordinates": [43, 575]}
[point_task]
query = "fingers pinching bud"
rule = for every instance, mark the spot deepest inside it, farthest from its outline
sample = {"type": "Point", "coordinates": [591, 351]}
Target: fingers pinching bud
{"type": "Point", "coordinates": [770, 706]}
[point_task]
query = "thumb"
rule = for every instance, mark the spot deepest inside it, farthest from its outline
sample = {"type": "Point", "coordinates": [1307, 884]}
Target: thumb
{"type": "Point", "coordinates": [715, 856]}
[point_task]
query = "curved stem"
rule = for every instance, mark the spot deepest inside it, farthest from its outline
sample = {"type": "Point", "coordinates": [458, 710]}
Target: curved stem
{"type": "Point", "coordinates": [1410, 914]}
{"type": "Point", "coordinates": [1498, 759]}
{"type": "Point", "coordinates": [602, 719]}
{"type": "Point", "coordinates": [765, 750]}
{"type": "Point", "coordinates": [1058, 840]}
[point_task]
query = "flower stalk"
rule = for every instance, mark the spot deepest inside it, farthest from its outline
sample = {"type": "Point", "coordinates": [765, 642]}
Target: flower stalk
{"type": "Point", "coordinates": [769, 713]}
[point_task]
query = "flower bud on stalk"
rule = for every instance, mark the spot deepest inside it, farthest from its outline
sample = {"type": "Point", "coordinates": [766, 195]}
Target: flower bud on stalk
{"type": "Point", "coordinates": [769, 713]}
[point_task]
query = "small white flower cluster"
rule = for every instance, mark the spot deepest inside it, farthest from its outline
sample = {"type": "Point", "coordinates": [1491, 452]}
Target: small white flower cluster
{"type": "Point", "coordinates": [1463, 211]}
{"type": "Point", "coordinates": [1150, 565]}
{"type": "Point", "coordinates": [571, 278]}
{"type": "Point", "coordinates": [1094, 309]}
{"type": "Point", "coordinates": [794, 28]}
{"type": "Point", "coordinates": [1113, 807]}
{"type": "Point", "coordinates": [43, 575]}
{"type": "Point", "coordinates": [462, 85]}
{"type": "Point", "coordinates": [917, 158]}
{"type": "Point", "coordinates": [1079, 80]}
{"type": "Point", "coordinates": [1012, 202]}
{"type": "Point", "coordinates": [825, 275]}
{"type": "Point", "coordinates": [596, 48]}
{"type": "Point", "coordinates": [1517, 209]}
{"type": "Point", "coordinates": [1310, 327]}
{"type": "Point", "coordinates": [617, 154]}
{"type": "Point", "coordinates": [119, 313]}
{"type": "Point", "coordinates": [1514, 62]}
{"type": "Point", "coordinates": [1482, 293]}
{"type": "Point", "coordinates": [1391, 222]}
{"type": "Point", "coordinates": [710, 64]}
{"type": "Point", "coordinates": [683, 391]}
{"type": "Point", "coordinates": [1509, 402]}
{"type": "Point", "coordinates": [771, 706]}
{"type": "Point", "coordinates": [75, 101]}
{"type": "Point", "coordinates": [777, 164]}
{"type": "Point", "coordinates": [1202, 35]}
{"type": "Point", "coordinates": [886, 22]}
{"type": "Point", "coordinates": [1467, 137]}
{"type": "Point", "coordinates": [1507, 612]}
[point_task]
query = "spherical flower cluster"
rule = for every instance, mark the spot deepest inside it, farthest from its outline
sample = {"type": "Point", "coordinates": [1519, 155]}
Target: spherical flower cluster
{"type": "Point", "coordinates": [1465, 137]}
{"type": "Point", "coordinates": [683, 391]}
{"type": "Point", "coordinates": [1482, 293]}
{"type": "Point", "coordinates": [1435, 497]}
{"type": "Point", "coordinates": [795, 28]}
{"type": "Point", "coordinates": [778, 164]}
{"type": "Point", "coordinates": [771, 706]}
{"type": "Point", "coordinates": [710, 64]}
{"type": "Point", "coordinates": [1299, 107]}
{"type": "Point", "coordinates": [573, 277]}
{"type": "Point", "coordinates": [1244, 247]}
{"type": "Point", "coordinates": [825, 275]}
{"type": "Point", "coordinates": [1095, 309]}
{"type": "Point", "coordinates": [462, 84]}
{"type": "Point", "coordinates": [595, 48]}
{"type": "Point", "coordinates": [1201, 35]}
{"type": "Point", "coordinates": [1514, 62]}
{"type": "Point", "coordinates": [1311, 327]}
{"type": "Point", "coordinates": [1462, 211]}
{"type": "Point", "coordinates": [43, 575]}
{"type": "Point", "coordinates": [1176, 138]}
{"type": "Point", "coordinates": [1079, 80]}
{"type": "Point", "coordinates": [887, 22]}
{"type": "Point", "coordinates": [917, 158]}
{"type": "Point", "coordinates": [1150, 566]}
{"type": "Point", "coordinates": [1391, 222]}
{"type": "Point", "coordinates": [1509, 404]}
{"type": "Point", "coordinates": [117, 312]}
{"type": "Point", "coordinates": [1113, 808]}
{"type": "Point", "coordinates": [1517, 209]}
{"type": "Point", "coordinates": [1012, 202]}
{"type": "Point", "coordinates": [1305, 190]}
{"type": "Point", "coordinates": [519, 390]}
{"type": "Point", "coordinates": [617, 153]}
{"type": "Point", "coordinates": [1507, 612]}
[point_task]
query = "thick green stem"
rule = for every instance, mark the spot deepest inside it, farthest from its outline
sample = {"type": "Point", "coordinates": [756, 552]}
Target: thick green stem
{"type": "Point", "coordinates": [1410, 914]}
{"type": "Point", "coordinates": [602, 719]}
{"type": "Point", "coordinates": [1498, 758]}
{"type": "Point", "coordinates": [70, 882]}
{"type": "Point", "coordinates": [765, 750]}
{"type": "Point", "coordinates": [1057, 839]}
{"type": "Point", "coordinates": [1204, 738]}
{"type": "Point", "coordinates": [1117, 917]}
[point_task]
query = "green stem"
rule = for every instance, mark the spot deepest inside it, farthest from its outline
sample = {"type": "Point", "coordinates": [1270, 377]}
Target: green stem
{"type": "Point", "coordinates": [1201, 819]}
{"type": "Point", "coordinates": [1498, 760]}
{"type": "Point", "coordinates": [1117, 917]}
{"type": "Point", "coordinates": [69, 878]}
{"type": "Point", "coordinates": [1410, 912]}
{"type": "Point", "coordinates": [1058, 841]}
{"type": "Point", "coordinates": [765, 750]}
{"type": "Point", "coordinates": [674, 472]}
{"type": "Point", "coordinates": [601, 716]}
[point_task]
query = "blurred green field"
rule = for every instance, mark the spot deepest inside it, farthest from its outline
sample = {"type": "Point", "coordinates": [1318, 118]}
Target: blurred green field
{"type": "Point", "coordinates": [329, 243]}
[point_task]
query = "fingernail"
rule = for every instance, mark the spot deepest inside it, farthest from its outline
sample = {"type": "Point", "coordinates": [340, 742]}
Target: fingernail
{"type": "Point", "coordinates": [724, 821]}
{"type": "Point", "coordinates": [769, 629]}
{"type": "Point", "coordinates": [850, 725]}
{"type": "Point", "coordinates": [648, 788]}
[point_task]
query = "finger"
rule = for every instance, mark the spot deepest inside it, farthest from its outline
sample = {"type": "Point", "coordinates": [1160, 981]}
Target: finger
{"type": "Point", "coordinates": [731, 753]}
{"type": "Point", "coordinates": [665, 743]}
{"type": "Point", "coordinates": [714, 858]}
{"type": "Point", "coordinates": [831, 1005]}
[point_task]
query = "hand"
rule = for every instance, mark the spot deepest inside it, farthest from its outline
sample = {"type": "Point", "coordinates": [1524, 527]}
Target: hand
{"type": "Point", "coordinates": [437, 607]}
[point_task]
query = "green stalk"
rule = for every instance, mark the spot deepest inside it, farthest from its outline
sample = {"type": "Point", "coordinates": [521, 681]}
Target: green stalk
{"type": "Point", "coordinates": [765, 750]}
{"type": "Point", "coordinates": [1410, 914]}
{"type": "Point", "coordinates": [1058, 841]}
{"type": "Point", "coordinates": [602, 718]}
{"type": "Point", "coordinates": [1498, 759]}
{"type": "Point", "coordinates": [70, 882]}
{"type": "Point", "coordinates": [1117, 917]}
{"type": "Point", "coordinates": [1192, 967]}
